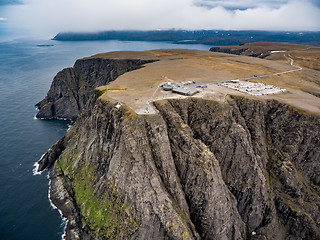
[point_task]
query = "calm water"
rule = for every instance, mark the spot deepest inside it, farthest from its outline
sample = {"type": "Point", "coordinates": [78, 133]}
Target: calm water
{"type": "Point", "coordinates": [26, 72]}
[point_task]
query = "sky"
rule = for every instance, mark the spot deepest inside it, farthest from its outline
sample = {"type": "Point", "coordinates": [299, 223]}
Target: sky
{"type": "Point", "coordinates": [48, 17]}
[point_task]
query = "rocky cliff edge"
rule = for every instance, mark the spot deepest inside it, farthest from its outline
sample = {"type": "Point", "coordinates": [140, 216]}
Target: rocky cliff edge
{"type": "Point", "coordinates": [72, 87]}
{"type": "Point", "coordinates": [197, 169]}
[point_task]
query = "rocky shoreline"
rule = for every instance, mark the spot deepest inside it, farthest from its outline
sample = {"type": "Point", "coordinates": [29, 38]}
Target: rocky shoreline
{"type": "Point", "coordinates": [197, 169]}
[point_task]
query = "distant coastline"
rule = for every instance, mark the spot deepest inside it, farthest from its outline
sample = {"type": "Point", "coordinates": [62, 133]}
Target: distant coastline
{"type": "Point", "coordinates": [209, 37]}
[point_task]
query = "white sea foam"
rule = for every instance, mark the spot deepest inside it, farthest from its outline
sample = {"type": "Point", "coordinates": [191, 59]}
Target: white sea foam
{"type": "Point", "coordinates": [62, 119]}
{"type": "Point", "coordinates": [36, 165]}
{"type": "Point", "coordinates": [64, 222]}
{"type": "Point", "coordinates": [35, 117]}
{"type": "Point", "coordinates": [35, 169]}
{"type": "Point", "coordinates": [63, 218]}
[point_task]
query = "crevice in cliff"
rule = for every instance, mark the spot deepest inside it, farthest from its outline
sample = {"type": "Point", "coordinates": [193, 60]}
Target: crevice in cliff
{"type": "Point", "coordinates": [252, 125]}
{"type": "Point", "coordinates": [163, 159]}
{"type": "Point", "coordinates": [198, 169]}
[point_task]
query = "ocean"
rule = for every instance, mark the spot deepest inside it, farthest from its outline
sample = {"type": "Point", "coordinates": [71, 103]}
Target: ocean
{"type": "Point", "coordinates": [26, 72]}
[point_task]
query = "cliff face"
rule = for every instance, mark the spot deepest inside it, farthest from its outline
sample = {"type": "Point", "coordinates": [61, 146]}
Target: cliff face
{"type": "Point", "coordinates": [197, 169]}
{"type": "Point", "coordinates": [269, 158]}
{"type": "Point", "coordinates": [72, 87]}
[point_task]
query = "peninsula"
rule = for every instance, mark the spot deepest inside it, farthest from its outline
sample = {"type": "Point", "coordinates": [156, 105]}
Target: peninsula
{"type": "Point", "coordinates": [143, 160]}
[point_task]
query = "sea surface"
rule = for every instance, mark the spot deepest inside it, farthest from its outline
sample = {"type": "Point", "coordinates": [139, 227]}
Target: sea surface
{"type": "Point", "coordinates": [26, 72]}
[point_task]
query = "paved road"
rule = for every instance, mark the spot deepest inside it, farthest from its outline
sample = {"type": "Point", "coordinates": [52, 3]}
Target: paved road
{"type": "Point", "coordinates": [272, 74]}
{"type": "Point", "coordinates": [280, 73]}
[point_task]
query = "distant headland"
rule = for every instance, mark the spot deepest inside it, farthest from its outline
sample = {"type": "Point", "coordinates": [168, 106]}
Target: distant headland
{"type": "Point", "coordinates": [210, 37]}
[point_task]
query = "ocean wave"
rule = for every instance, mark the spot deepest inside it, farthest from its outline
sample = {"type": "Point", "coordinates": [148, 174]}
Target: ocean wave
{"type": "Point", "coordinates": [56, 118]}
{"type": "Point", "coordinates": [35, 169]}
{"type": "Point", "coordinates": [36, 165]}
{"type": "Point", "coordinates": [35, 118]}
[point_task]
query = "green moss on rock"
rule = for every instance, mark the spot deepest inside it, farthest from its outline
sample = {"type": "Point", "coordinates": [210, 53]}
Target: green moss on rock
{"type": "Point", "coordinates": [105, 217]}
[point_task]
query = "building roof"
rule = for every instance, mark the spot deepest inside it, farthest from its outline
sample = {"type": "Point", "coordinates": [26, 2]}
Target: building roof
{"type": "Point", "coordinates": [185, 91]}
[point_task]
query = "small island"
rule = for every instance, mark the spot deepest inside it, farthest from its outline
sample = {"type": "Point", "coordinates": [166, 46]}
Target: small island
{"type": "Point", "coordinates": [45, 45]}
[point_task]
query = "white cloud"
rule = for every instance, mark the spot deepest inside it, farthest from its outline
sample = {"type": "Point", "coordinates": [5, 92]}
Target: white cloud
{"type": "Point", "coordinates": [52, 16]}
{"type": "Point", "coordinates": [2, 19]}
{"type": "Point", "coordinates": [243, 4]}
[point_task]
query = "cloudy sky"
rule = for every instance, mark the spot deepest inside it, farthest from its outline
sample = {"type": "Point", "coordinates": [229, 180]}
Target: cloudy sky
{"type": "Point", "coordinates": [47, 17]}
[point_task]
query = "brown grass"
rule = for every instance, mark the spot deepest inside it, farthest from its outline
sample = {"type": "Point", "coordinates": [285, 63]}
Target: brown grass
{"type": "Point", "coordinates": [136, 88]}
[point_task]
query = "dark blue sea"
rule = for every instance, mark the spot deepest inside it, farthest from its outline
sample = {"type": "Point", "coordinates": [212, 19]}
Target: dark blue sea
{"type": "Point", "coordinates": [26, 72]}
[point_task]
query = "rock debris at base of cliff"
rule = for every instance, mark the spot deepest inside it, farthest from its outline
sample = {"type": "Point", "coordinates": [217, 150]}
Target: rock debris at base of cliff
{"type": "Point", "coordinates": [197, 169]}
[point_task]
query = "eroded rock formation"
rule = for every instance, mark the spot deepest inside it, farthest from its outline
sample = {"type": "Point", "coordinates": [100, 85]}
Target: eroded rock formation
{"type": "Point", "coordinates": [198, 169]}
{"type": "Point", "coordinates": [72, 87]}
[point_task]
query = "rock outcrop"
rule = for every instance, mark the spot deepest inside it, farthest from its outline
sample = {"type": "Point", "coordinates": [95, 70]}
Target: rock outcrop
{"type": "Point", "coordinates": [197, 169]}
{"type": "Point", "coordinates": [242, 50]}
{"type": "Point", "coordinates": [72, 87]}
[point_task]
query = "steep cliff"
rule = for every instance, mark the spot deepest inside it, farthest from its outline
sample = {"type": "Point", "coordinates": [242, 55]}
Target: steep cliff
{"type": "Point", "coordinates": [72, 87]}
{"type": "Point", "coordinates": [269, 158]}
{"type": "Point", "coordinates": [196, 169]}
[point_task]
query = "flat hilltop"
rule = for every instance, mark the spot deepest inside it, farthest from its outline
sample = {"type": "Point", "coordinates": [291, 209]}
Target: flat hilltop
{"type": "Point", "coordinates": [287, 66]}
